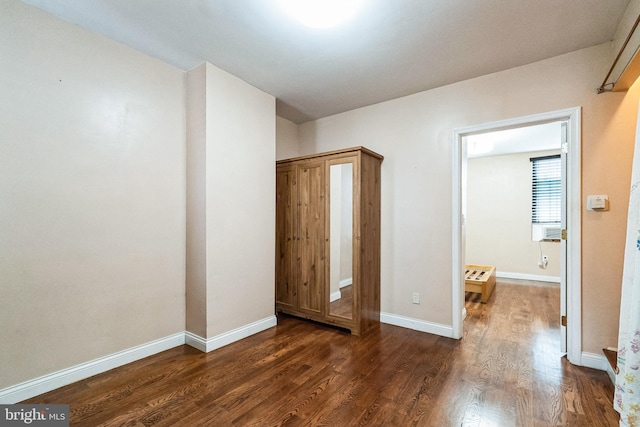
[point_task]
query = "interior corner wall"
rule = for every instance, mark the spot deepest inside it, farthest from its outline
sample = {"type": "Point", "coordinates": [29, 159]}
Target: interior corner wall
{"type": "Point", "coordinates": [240, 202]}
{"type": "Point", "coordinates": [196, 186]}
{"type": "Point", "coordinates": [286, 139]}
{"type": "Point", "coordinates": [414, 133]}
{"type": "Point", "coordinates": [92, 183]}
{"type": "Point", "coordinates": [498, 219]}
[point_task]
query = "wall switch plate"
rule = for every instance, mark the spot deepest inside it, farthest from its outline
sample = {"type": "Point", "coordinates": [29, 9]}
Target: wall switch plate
{"type": "Point", "coordinates": [416, 298]}
{"type": "Point", "coordinates": [598, 202]}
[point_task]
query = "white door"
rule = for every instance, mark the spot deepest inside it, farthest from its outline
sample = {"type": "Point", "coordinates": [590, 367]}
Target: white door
{"type": "Point", "coordinates": [563, 240]}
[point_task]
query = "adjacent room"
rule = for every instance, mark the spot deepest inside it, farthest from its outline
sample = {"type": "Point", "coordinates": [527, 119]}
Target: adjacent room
{"type": "Point", "coordinates": [515, 200]}
{"type": "Point", "coordinates": [225, 213]}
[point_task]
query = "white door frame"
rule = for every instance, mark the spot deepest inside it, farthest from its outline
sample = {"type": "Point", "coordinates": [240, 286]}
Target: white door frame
{"type": "Point", "coordinates": [573, 259]}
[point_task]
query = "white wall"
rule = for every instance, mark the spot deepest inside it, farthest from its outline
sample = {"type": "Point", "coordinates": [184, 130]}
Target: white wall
{"type": "Point", "coordinates": [498, 220]}
{"type": "Point", "coordinates": [240, 194]}
{"type": "Point", "coordinates": [92, 190]}
{"type": "Point", "coordinates": [287, 139]}
{"type": "Point", "coordinates": [414, 135]}
{"type": "Point", "coordinates": [196, 201]}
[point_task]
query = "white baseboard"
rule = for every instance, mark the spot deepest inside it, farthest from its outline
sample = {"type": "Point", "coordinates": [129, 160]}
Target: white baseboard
{"type": "Point", "coordinates": [335, 296]}
{"type": "Point", "coordinates": [612, 375]}
{"type": "Point", "coordinates": [346, 282]}
{"type": "Point", "coordinates": [521, 276]}
{"type": "Point", "coordinates": [417, 324]}
{"type": "Point", "coordinates": [209, 344]}
{"type": "Point", "coordinates": [595, 361]}
{"type": "Point", "coordinates": [45, 383]}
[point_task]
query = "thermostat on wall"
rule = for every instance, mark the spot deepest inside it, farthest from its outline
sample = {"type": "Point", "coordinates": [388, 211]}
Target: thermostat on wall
{"type": "Point", "coordinates": [598, 203]}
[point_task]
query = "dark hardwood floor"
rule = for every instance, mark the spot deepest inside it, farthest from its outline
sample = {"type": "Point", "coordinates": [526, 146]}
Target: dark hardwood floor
{"type": "Point", "coordinates": [505, 372]}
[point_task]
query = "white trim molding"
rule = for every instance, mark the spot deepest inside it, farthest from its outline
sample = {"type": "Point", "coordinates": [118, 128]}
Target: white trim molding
{"type": "Point", "coordinates": [612, 375]}
{"type": "Point", "coordinates": [335, 296]}
{"type": "Point", "coordinates": [594, 361]}
{"type": "Point", "coordinates": [45, 383]}
{"type": "Point", "coordinates": [209, 344]}
{"type": "Point", "coordinates": [346, 282]}
{"type": "Point", "coordinates": [417, 324]}
{"type": "Point", "coordinates": [522, 276]}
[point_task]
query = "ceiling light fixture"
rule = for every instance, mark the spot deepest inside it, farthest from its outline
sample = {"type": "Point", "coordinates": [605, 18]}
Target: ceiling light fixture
{"type": "Point", "coordinates": [321, 13]}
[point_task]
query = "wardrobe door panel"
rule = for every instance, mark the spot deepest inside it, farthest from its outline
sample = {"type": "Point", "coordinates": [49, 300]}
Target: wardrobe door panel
{"type": "Point", "coordinates": [286, 244]}
{"type": "Point", "coordinates": [311, 237]}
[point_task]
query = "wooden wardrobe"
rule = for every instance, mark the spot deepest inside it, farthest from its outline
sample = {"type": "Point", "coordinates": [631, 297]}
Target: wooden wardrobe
{"type": "Point", "coordinates": [328, 238]}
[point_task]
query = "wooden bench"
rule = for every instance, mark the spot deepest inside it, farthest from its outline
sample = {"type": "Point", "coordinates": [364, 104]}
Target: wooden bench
{"type": "Point", "coordinates": [480, 279]}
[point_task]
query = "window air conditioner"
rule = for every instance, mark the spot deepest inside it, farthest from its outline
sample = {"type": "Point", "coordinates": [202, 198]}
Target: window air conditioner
{"type": "Point", "coordinates": [551, 232]}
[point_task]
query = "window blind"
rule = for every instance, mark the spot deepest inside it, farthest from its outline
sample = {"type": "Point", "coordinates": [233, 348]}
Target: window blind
{"type": "Point", "coordinates": [546, 189]}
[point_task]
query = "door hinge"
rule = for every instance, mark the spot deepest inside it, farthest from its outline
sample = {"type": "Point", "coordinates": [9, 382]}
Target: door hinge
{"type": "Point", "coordinates": [564, 234]}
{"type": "Point", "coordinates": [563, 321]}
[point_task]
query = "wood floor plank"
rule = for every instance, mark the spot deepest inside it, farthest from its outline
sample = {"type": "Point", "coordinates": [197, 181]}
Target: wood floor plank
{"type": "Point", "coordinates": [506, 371]}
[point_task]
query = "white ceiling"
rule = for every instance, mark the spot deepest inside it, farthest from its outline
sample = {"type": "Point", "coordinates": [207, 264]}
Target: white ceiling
{"type": "Point", "coordinates": [391, 49]}
{"type": "Point", "coordinates": [541, 137]}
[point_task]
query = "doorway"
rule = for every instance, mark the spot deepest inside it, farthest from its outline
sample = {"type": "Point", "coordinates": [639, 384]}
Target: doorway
{"type": "Point", "coordinates": [570, 288]}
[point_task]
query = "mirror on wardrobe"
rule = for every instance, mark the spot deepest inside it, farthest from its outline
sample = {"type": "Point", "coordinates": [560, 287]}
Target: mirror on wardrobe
{"type": "Point", "coordinates": [341, 240]}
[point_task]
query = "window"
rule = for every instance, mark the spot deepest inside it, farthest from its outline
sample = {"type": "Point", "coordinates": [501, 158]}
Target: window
{"type": "Point", "coordinates": [546, 190]}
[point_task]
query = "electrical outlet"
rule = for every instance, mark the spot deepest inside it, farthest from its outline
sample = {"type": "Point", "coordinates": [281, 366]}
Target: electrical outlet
{"type": "Point", "coordinates": [416, 298]}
